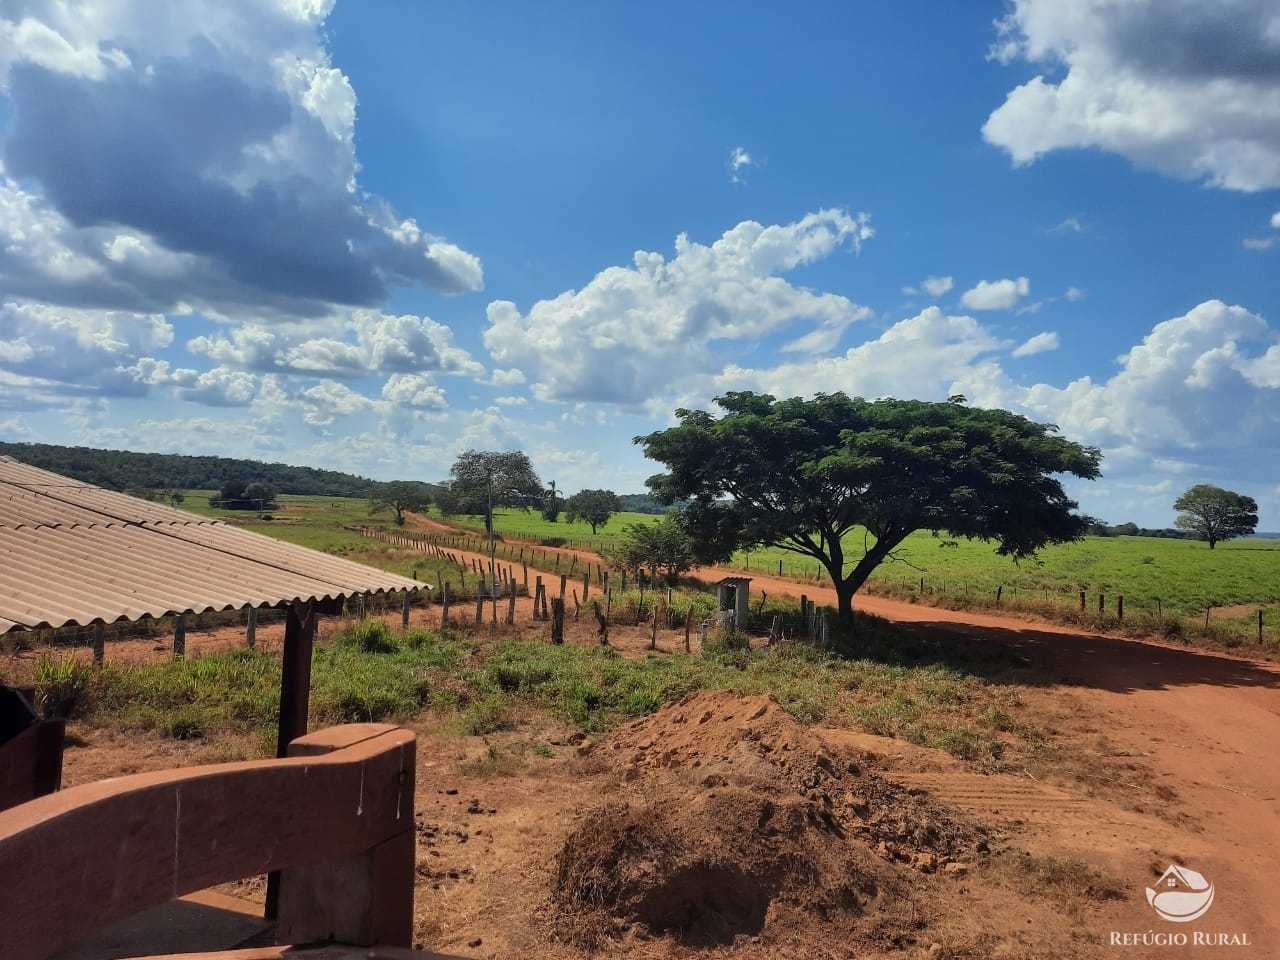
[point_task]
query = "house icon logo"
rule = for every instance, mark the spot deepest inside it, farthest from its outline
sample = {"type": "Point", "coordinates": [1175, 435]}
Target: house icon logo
{"type": "Point", "coordinates": [1181, 895]}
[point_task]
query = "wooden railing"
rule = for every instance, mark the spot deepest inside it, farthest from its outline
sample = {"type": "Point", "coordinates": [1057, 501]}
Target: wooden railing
{"type": "Point", "coordinates": [336, 817]}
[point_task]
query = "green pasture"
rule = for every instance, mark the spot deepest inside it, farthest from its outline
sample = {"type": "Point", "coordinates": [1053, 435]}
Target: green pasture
{"type": "Point", "coordinates": [1156, 577]}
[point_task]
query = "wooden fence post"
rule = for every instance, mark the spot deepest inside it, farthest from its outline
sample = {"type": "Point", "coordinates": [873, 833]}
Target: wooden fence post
{"type": "Point", "coordinates": [688, 621]}
{"type": "Point", "coordinates": [511, 603]}
{"type": "Point", "coordinates": [602, 621]}
{"type": "Point", "coordinates": [653, 633]}
{"type": "Point", "coordinates": [180, 636]}
{"type": "Point", "coordinates": [1119, 608]}
{"type": "Point", "coordinates": [1082, 601]}
{"type": "Point", "coordinates": [586, 582]}
{"type": "Point", "coordinates": [251, 627]}
{"type": "Point", "coordinates": [480, 600]}
{"type": "Point", "coordinates": [537, 595]}
{"type": "Point", "coordinates": [557, 621]}
{"type": "Point", "coordinates": [563, 581]}
{"type": "Point", "coordinates": [404, 611]}
{"type": "Point", "coordinates": [99, 628]}
{"type": "Point", "coordinates": [444, 605]}
{"type": "Point", "coordinates": [1102, 601]}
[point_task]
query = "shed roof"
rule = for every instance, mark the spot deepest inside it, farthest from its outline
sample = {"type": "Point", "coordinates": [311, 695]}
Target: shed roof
{"type": "Point", "coordinates": [73, 554]}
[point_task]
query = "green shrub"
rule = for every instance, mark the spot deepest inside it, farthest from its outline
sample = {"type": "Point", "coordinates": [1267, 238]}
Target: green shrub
{"type": "Point", "coordinates": [62, 685]}
{"type": "Point", "coordinates": [369, 636]}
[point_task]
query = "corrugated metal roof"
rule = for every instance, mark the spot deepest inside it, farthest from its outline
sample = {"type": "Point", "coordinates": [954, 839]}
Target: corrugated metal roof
{"type": "Point", "coordinates": [72, 554]}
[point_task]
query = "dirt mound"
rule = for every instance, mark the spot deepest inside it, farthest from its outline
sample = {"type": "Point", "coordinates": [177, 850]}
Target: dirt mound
{"type": "Point", "coordinates": [739, 821]}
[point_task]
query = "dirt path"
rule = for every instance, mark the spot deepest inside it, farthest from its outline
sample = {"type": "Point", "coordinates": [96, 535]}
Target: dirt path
{"type": "Point", "coordinates": [1207, 726]}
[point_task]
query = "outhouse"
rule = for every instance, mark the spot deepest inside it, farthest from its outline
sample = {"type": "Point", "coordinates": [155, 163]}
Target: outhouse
{"type": "Point", "coordinates": [731, 600]}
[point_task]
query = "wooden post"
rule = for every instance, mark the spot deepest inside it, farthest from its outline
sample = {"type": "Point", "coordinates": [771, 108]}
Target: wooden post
{"type": "Point", "coordinates": [586, 582]}
{"type": "Point", "coordinates": [563, 581]}
{"type": "Point", "coordinates": [404, 611]}
{"type": "Point", "coordinates": [1259, 624]}
{"type": "Point", "coordinates": [1119, 608]}
{"type": "Point", "coordinates": [180, 636]}
{"type": "Point", "coordinates": [480, 600]}
{"type": "Point", "coordinates": [495, 591]}
{"type": "Point", "coordinates": [511, 603]}
{"type": "Point", "coordinates": [602, 621]}
{"type": "Point", "coordinates": [524, 571]}
{"type": "Point", "coordinates": [99, 628]}
{"type": "Point", "coordinates": [999, 591]}
{"type": "Point", "coordinates": [557, 621]}
{"type": "Point", "coordinates": [653, 633]}
{"type": "Point", "coordinates": [1102, 600]}
{"type": "Point", "coordinates": [444, 605]}
{"type": "Point", "coordinates": [779, 568]}
{"type": "Point", "coordinates": [804, 614]}
{"type": "Point", "coordinates": [295, 693]}
{"type": "Point", "coordinates": [573, 562]}
{"type": "Point", "coordinates": [688, 622]}
{"type": "Point", "coordinates": [251, 627]}
{"type": "Point", "coordinates": [1082, 601]}
{"type": "Point", "coordinates": [608, 603]}
{"type": "Point", "coordinates": [604, 581]}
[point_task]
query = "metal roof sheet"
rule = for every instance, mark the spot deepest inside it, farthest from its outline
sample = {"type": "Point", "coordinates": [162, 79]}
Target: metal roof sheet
{"type": "Point", "coordinates": [72, 554]}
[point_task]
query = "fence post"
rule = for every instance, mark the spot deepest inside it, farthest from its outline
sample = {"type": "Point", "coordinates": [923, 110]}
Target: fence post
{"type": "Point", "coordinates": [495, 591]}
{"type": "Point", "coordinates": [688, 622]}
{"type": "Point", "coordinates": [999, 590]}
{"type": "Point", "coordinates": [1102, 603]}
{"type": "Point", "coordinates": [180, 636]}
{"type": "Point", "coordinates": [563, 582]}
{"type": "Point", "coordinates": [804, 614]}
{"type": "Point", "coordinates": [480, 600]}
{"type": "Point", "coordinates": [444, 605]}
{"type": "Point", "coordinates": [1259, 624]}
{"type": "Point", "coordinates": [404, 611]}
{"type": "Point", "coordinates": [537, 592]}
{"type": "Point", "coordinates": [511, 603]}
{"type": "Point", "coordinates": [1119, 608]}
{"type": "Point", "coordinates": [557, 621]}
{"type": "Point", "coordinates": [1082, 601]}
{"type": "Point", "coordinates": [99, 628]}
{"type": "Point", "coordinates": [586, 582]}
{"type": "Point", "coordinates": [653, 634]}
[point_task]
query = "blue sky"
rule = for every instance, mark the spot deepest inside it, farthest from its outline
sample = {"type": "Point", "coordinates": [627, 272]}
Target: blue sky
{"type": "Point", "coordinates": [368, 236]}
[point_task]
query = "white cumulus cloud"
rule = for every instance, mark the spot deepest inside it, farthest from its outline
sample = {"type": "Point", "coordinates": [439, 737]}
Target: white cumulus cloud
{"type": "Point", "coordinates": [1184, 87]}
{"type": "Point", "coordinates": [632, 331]}
{"type": "Point", "coordinates": [937, 286]}
{"type": "Point", "coordinates": [223, 158]}
{"type": "Point", "coordinates": [1040, 343]}
{"type": "Point", "coordinates": [996, 294]}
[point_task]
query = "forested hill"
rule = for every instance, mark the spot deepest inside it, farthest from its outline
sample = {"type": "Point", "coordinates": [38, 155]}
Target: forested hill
{"type": "Point", "coordinates": [123, 469]}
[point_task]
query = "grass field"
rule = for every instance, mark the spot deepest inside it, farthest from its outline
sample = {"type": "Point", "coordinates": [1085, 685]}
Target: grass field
{"type": "Point", "coordinates": [1160, 580]}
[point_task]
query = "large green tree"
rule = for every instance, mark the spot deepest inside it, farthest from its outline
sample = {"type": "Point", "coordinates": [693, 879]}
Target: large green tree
{"type": "Point", "coordinates": [804, 474]}
{"type": "Point", "coordinates": [481, 480]}
{"type": "Point", "coordinates": [1214, 514]}
{"type": "Point", "coordinates": [592, 506]}
{"type": "Point", "coordinates": [399, 496]}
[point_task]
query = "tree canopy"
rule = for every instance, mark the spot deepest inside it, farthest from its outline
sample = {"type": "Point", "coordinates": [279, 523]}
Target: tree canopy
{"type": "Point", "coordinates": [483, 479]}
{"type": "Point", "coordinates": [592, 506]}
{"type": "Point", "coordinates": [803, 474]}
{"type": "Point", "coordinates": [399, 496]}
{"type": "Point", "coordinates": [1215, 514]}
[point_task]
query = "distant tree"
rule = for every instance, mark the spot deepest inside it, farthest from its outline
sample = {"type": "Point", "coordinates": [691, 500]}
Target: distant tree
{"type": "Point", "coordinates": [802, 474]}
{"type": "Point", "coordinates": [1214, 514]}
{"type": "Point", "coordinates": [661, 547]}
{"type": "Point", "coordinates": [481, 480]}
{"type": "Point", "coordinates": [554, 504]}
{"type": "Point", "coordinates": [399, 496]}
{"type": "Point", "coordinates": [172, 497]}
{"type": "Point", "coordinates": [259, 496]}
{"type": "Point", "coordinates": [592, 506]}
{"type": "Point", "coordinates": [232, 490]}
